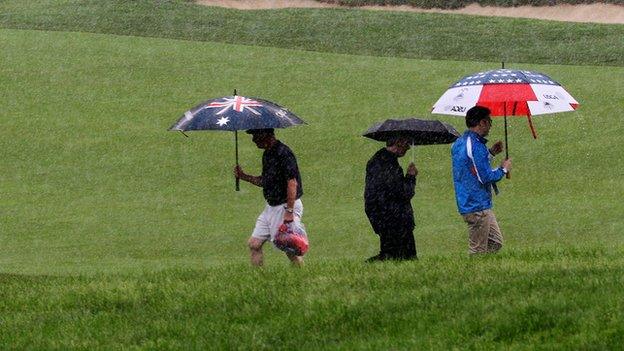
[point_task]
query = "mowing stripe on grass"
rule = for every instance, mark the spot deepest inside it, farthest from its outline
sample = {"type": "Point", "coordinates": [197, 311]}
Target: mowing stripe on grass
{"type": "Point", "coordinates": [377, 33]}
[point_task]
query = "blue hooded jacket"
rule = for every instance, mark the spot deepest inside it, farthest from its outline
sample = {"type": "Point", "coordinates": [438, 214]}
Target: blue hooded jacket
{"type": "Point", "coordinates": [473, 176]}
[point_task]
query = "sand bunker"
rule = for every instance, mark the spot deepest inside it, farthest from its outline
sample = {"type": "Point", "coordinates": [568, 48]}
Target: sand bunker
{"type": "Point", "coordinates": [598, 13]}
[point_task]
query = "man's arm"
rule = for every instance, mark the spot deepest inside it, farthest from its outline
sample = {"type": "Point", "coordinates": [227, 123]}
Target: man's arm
{"type": "Point", "coordinates": [409, 185]}
{"type": "Point", "coordinates": [238, 173]}
{"type": "Point", "coordinates": [479, 155]}
{"type": "Point", "coordinates": [384, 182]}
{"type": "Point", "coordinates": [289, 165]}
{"type": "Point", "coordinates": [291, 197]}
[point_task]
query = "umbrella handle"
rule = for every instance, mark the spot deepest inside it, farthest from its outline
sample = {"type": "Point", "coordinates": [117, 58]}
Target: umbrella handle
{"type": "Point", "coordinates": [236, 150]}
{"type": "Point", "coordinates": [508, 175]}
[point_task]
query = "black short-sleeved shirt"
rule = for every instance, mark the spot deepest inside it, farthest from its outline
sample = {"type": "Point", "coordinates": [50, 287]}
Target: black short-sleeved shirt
{"type": "Point", "coordinates": [278, 166]}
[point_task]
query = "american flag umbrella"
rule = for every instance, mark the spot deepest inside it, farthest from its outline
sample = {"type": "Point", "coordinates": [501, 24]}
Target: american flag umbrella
{"type": "Point", "coordinates": [234, 113]}
{"type": "Point", "coordinates": [506, 92]}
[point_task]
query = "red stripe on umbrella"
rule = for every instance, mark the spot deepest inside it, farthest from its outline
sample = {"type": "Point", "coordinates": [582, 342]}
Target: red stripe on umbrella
{"type": "Point", "coordinates": [506, 99]}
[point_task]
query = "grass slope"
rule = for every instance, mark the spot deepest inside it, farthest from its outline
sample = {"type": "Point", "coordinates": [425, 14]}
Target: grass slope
{"type": "Point", "coordinates": [95, 183]}
{"type": "Point", "coordinates": [377, 33]}
{"type": "Point", "coordinates": [516, 301]}
{"type": "Point", "coordinates": [117, 234]}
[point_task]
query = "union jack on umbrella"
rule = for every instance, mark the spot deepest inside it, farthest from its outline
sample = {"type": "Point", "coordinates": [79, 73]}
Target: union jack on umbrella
{"type": "Point", "coordinates": [234, 113]}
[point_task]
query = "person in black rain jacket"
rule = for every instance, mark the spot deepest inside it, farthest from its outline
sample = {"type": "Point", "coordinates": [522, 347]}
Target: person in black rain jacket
{"type": "Point", "coordinates": [387, 196]}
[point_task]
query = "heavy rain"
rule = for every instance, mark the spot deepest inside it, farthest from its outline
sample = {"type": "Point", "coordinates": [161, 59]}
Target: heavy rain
{"type": "Point", "coordinates": [300, 174]}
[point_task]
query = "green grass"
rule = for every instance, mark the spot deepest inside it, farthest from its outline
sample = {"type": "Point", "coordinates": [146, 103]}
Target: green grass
{"type": "Point", "coordinates": [116, 234]}
{"type": "Point", "coordinates": [97, 184]}
{"type": "Point", "coordinates": [377, 33]}
{"type": "Point", "coordinates": [516, 301]}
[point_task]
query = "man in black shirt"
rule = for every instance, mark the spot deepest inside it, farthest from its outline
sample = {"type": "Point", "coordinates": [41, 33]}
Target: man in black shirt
{"type": "Point", "coordinates": [282, 189]}
{"type": "Point", "coordinates": [387, 197]}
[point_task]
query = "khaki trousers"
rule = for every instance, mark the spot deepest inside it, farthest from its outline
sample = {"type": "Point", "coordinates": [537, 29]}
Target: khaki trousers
{"type": "Point", "coordinates": [484, 235]}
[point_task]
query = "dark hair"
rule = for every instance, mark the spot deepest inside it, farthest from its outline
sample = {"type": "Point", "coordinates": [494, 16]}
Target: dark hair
{"type": "Point", "coordinates": [393, 140]}
{"type": "Point", "coordinates": [270, 131]}
{"type": "Point", "coordinates": [475, 115]}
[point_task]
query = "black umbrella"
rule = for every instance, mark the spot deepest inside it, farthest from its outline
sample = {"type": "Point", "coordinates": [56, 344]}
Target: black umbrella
{"type": "Point", "coordinates": [234, 113]}
{"type": "Point", "coordinates": [418, 131]}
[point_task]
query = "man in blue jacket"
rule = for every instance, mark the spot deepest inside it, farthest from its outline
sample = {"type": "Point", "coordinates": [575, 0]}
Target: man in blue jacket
{"type": "Point", "coordinates": [474, 180]}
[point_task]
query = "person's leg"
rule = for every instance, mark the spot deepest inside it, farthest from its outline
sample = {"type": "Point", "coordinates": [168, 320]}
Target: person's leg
{"type": "Point", "coordinates": [296, 261]}
{"type": "Point", "coordinates": [403, 248]}
{"type": "Point", "coordinates": [261, 233]}
{"type": "Point", "coordinates": [408, 245]}
{"type": "Point", "coordinates": [386, 245]}
{"type": "Point", "coordinates": [478, 230]}
{"type": "Point", "coordinates": [495, 237]}
{"type": "Point", "coordinates": [398, 244]}
{"type": "Point", "coordinates": [255, 247]}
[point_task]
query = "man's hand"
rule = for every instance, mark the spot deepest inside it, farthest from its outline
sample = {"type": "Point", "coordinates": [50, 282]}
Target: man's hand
{"type": "Point", "coordinates": [412, 170]}
{"type": "Point", "coordinates": [506, 164]}
{"type": "Point", "coordinates": [238, 172]}
{"type": "Point", "coordinates": [497, 148]}
{"type": "Point", "coordinates": [289, 217]}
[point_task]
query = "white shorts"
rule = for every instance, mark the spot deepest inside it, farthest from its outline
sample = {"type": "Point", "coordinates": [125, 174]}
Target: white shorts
{"type": "Point", "coordinates": [272, 217]}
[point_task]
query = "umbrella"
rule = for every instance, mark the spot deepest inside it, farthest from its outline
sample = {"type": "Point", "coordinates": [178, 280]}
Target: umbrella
{"type": "Point", "coordinates": [418, 131]}
{"type": "Point", "coordinates": [506, 92]}
{"type": "Point", "coordinates": [234, 113]}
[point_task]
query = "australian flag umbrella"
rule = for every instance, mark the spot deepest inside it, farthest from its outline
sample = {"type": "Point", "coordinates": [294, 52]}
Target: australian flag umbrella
{"type": "Point", "coordinates": [506, 92]}
{"type": "Point", "coordinates": [234, 113]}
{"type": "Point", "coordinates": [417, 131]}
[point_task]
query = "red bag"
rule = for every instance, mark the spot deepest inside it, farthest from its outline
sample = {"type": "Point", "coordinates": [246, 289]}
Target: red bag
{"type": "Point", "coordinates": [292, 239]}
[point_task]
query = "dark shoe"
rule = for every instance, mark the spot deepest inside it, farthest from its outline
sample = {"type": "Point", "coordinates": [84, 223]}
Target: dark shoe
{"type": "Point", "coordinates": [376, 258]}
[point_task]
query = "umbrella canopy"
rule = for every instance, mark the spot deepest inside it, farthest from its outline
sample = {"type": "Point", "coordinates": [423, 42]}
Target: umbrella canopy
{"type": "Point", "coordinates": [506, 92]}
{"type": "Point", "coordinates": [232, 113]}
{"type": "Point", "coordinates": [418, 131]}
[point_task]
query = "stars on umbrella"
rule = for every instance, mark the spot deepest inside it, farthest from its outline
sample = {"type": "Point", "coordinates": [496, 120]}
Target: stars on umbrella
{"type": "Point", "coordinates": [505, 76]}
{"type": "Point", "coordinates": [543, 81]}
{"type": "Point", "coordinates": [223, 121]}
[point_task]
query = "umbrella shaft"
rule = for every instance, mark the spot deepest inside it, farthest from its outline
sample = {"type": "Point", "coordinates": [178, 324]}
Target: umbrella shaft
{"type": "Point", "coordinates": [236, 151]}
{"type": "Point", "coordinates": [506, 140]}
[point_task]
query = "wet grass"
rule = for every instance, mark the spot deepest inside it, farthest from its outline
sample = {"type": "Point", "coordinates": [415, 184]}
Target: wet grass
{"type": "Point", "coordinates": [117, 234]}
{"type": "Point", "coordinates": [349, 31]}
{"type": "Point", "coordinates": [95, 183]}
{"type": "Point", "coordinates": [553, 299]}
